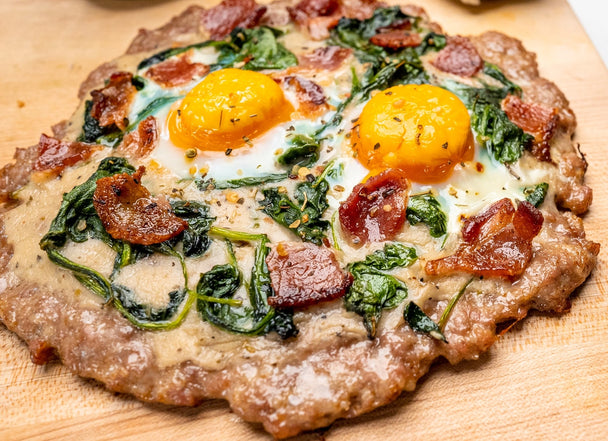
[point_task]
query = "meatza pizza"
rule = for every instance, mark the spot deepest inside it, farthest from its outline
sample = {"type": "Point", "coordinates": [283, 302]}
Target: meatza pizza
{"type": "Point", "coordinates": [296, 208]}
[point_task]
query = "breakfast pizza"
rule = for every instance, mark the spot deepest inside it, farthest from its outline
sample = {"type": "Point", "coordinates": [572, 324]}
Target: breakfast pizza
{"type": "Point", "coordinates": [296, 208]}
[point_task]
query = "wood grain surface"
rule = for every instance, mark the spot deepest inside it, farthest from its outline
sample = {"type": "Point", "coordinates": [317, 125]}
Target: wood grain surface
{"type": "Point", "coordinates": [547, 379]}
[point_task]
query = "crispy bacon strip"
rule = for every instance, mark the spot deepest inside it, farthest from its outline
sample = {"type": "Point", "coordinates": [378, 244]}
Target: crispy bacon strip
{"type": "Point", "coordinates": [534, 119]}
{"type": "Point", "coordinates": [129, 213]}
{"type": "Point", "coordinates": [111, 103]}
{"type": "Point", "coordinates": [176, 71]}
{"type": "Point", "coordinates": [223, 18]}
{"type": "Point", "coordinates": [310, 95]}
{"type": "Point", "coordinates": [55, 155]}
{"type": "Point", "coordinates": [375, 210]}
{"type": "Point", "coordinates": [303, 274]}
{"type": "Point", "coordinates": [319, 16]}
{"type": "Point", "coordinates": [396, 39]}
{"type": "Point", "coordinates": [140, 143]}
{"type": "Point", "coordinates": [459, 57]}
{"type": "Point", "coordinates": [325, 58]}
{"type": "Point", "coordinates": [307, 9]}
{"type": "Point", "coordinates": [496, 242]}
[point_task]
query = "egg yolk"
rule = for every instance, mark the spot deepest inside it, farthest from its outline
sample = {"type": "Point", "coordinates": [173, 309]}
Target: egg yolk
{"type": "Point", "coordinates": [227, 109]}
{"type": "Point", "coordinates": [421, 129]}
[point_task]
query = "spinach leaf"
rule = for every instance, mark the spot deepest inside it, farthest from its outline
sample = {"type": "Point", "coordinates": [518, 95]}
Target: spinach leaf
{"type": "Point", "coordinates": [168, 53]}
{"type": "Point", "coordinates": [303, 151]}
{"type": "Point", "coordinates": [210, 184]}
{"type": "Point", "coordinates": [426, 209]}
{"type": "Point", "coordinates": [373, 290]}
{"type": "Point", "coordinates": [258, 48]}
{"type": "Point", "coordinates": [355, 34]}
{"type": "Point", "coordinates": [504, 140]}
{"type": "Point", "coordinates": [223, 282]}
{"type": "Point", "coordinates": [195, 240]}
{"type": "Point", "coordinates": [509, 86]}
{"type": "Point", "coordinates": [392, 256]}
{"type": "Point", "coordinates": [420, 322]}
{"type": "Point", "coordinates": [91, 130]}
{"type": "Point", "coordinates": [431, 41]}
{"type": "Point", "coordinates": [143, 313]}
{"type": "Point", "coordinates": [448, 309]}
{"type": "Point", "coordinates": [302, 216]}
{"type": "Point", "coordinates": [536, 194]}
{"type": "Point", "coordinates": [78, 221]}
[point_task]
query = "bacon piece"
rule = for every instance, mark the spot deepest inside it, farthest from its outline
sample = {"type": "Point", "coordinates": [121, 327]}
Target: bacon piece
{"type": "Point", "coordinates": [308, 9]}
{"type": "Point", "coordinates": [223, 18]}
{"type": "Point", "coordinates": [396, 39]}
{"type": "Point", "coordinates": [111, 103]}
{"type": "Point", "coordinates": [497, 242]}
{"type": "Point", "coordinates": [459, 57]}
{"type": "Point", "coordinates": [176, 71]}
{"type": "Point", "coordinates": [325, 58]}
{"type": "Point", "coordinates": [140, 143]}
{"type": "Point", "coordinates": [129, 213]}
{"type": "Point", "coordinates": [55, 155]}
{"type": "Point", "coordinates": [375, 210]}
{"type": "Point", "coordinates": [41, 352]}
{"type": "Point", "coordinates": [319, 16]}
{"type": "Point", "coordinates": [534, 119]}
{"type": "Point", "coordinates": [310, 96]}
{"type": "Point", "coordinates": [319, 27]}
{"type": "Point", "coordinates": [303, 274]}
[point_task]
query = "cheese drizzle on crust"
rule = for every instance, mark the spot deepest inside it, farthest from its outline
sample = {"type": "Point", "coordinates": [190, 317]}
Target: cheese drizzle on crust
{"type": "Point", "coordinates": [331, 370]}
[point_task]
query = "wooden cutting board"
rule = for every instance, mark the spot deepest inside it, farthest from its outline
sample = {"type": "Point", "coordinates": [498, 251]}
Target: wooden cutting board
{"type": "Point", "coordinates": [546, 379]}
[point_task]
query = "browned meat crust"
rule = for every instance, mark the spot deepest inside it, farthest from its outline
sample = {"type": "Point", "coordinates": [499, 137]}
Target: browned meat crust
{"type": "Point", "coordinates": [261, 391]}
{"type": "Point", "coordinates": [356, 388]}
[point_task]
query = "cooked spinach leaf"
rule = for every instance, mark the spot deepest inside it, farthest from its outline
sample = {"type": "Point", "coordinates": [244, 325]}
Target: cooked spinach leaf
{"type": "Point", "coordinates": [509, 86]}
{"type": "Point", "coordinates": [448, 309]}
{"type": "Point", "coordinates": [504, 140]}
{"type": "Point", "coordinates": [373, 290]}
{"type": "Point", "coordinates": [144, 314]}
{"type": "Point", "coordinates": [426, 208]}
{"type": "Point", "coordinates": [78, 221]}
{"type": "Point", "coordinates": [355, 34]}
{"type": "Point", "coordinates": [91, 130]}
{"type": "Point", "coordinates": [257, 48]}
{"type": "Point", "coordinates": [536, 194]}
{"type": "Point", "coordinates": [168, 53]}
{"type": "Point", "coordinates": [393, 255]}
{"type": "Point", "coordinates": [223, 282]}
{"type": "Point", "coordinates": [420, 322]}
{"type": "Point", "coordinates": [303, 216]}
{"type": "Point", "coordinates": [303, 151]}
{"type": "Point", "coordinates": [431, 41]}
{"type": "Point", "coordinates": [195, 239]}
{"type": "Point", "coordinates": [211, 184]}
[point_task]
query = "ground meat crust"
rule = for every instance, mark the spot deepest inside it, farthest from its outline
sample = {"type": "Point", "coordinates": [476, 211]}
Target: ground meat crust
{"type": "Point", "coordinates": [268, 392]}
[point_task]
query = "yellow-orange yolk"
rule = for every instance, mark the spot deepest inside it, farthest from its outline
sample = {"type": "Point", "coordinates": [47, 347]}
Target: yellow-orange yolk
{"type": "Point", "coordinates": [226, 109]}
{"type": "Point", "coordinates": [421, 129]}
